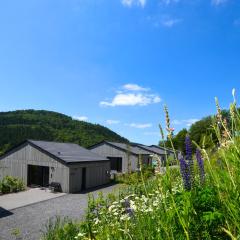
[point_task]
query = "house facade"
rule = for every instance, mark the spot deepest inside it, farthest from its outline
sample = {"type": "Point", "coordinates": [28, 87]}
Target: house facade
{"type": "Point", "coordinates": [123, 157]}
{"type": "Point", "coordinates": [39, 163]}
{"type": "Point", "coordinates": [160, 153]}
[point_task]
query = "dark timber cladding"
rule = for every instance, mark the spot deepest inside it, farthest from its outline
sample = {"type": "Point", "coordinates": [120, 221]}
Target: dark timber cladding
{"type": "Point", "coordinates": [40, 163]}
{"type": "Point", "coordinates": [123, 156]}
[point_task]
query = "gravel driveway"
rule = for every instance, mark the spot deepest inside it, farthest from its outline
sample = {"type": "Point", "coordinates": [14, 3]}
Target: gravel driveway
{"type": "Point", "coordinates": [31, 220]}
{"type": "Point", "coordinates": [30, 196]}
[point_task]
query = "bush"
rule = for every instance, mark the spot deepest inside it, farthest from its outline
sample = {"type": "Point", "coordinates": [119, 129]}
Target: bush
{"type": "Point", "coordinates": [59, 229]}
{"type": "Point", "coordinates": [136, 177]}
{"type": "Point", "coordinates": [11, 184]}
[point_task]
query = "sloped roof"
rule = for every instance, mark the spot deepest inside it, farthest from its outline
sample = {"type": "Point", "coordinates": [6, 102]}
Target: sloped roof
{"type": "Point", "coordinates": [128, 147]}
{"type": "Point", "coordinates": [68, 152]}
{"type": "Point", "coordinates": [150, 149]}
{"type": "Point", "coordinates": [65, 152]}
{"type": "Point", "coordinates": [154, 149]}
{"type": "Point", "coordinates": [124, 147]}
{"type": "Point", "coordinates": [168, 149]}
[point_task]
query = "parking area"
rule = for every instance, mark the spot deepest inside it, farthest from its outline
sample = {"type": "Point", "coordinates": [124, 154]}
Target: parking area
{"type": "Point", "coordinates": [21, 199]}
{"type": "Point", "coordinates": [31, 220]}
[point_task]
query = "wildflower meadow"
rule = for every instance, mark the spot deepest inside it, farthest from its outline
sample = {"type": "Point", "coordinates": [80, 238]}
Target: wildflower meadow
{"type": "Point", "coordinates": [199, 199]}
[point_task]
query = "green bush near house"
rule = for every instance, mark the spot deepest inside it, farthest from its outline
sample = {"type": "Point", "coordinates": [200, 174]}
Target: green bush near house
{"type": "Point", "coordinates": [59, 229]}
{"type": "Point", "coordinates": [136, 177]}
{"type": "Point", "coordinates": [11, 184]}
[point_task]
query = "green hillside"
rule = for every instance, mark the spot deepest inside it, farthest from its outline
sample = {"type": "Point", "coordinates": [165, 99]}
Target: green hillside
{"type": "Point", "coordinates": [17, 126]}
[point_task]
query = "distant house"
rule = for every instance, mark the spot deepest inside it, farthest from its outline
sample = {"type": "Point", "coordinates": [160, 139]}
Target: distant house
{"type": "Point", "coordinates": [161, 152]}
{"type": "Point", "coordinates": [39, 163]}
{"type": "Point", "coordinates": [123, 157]}
{"type": "Point", "coordinates": [126, 156]}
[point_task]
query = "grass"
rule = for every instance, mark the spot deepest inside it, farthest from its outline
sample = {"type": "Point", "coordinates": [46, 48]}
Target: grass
{"type": "Point", "coordinates": [198, 200]}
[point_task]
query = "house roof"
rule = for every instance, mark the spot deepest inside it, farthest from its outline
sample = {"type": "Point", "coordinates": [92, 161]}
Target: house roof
{"type": "Point", "coordinates": [130, 148]}
{"type": "Point", "coordinates": [65, 152]}
{"type": "Point", "coordinates": [154, 148]}
{"type": "Point", "coordinates": [149, 148]}
{"type": "Point", "coordinates": [168, 149]}
{"type": "Point", "coordinates": [124, 147]}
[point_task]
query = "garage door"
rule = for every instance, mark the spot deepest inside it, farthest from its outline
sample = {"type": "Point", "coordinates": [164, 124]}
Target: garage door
{"type": "Point", "coordinates": [38, 176]}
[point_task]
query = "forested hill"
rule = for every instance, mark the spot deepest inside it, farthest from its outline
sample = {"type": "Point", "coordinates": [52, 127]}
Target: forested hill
{"type": "Point", "coordinates": [17, 126]}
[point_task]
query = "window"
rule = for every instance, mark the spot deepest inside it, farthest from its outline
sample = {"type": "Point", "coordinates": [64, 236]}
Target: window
{"type": "Point", "coordinates": [116, 163]}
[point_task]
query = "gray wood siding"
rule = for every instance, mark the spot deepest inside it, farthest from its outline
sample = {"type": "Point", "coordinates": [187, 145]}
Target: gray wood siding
{"type": "Point", "coordinates": [16, 163]}
{"type": "Point", "coordinates": [108, 151]}
{"type": "Point", "coordinates": [97, 173]}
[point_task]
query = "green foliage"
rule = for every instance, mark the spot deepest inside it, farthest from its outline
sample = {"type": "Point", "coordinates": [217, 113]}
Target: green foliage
{"type": "Point", "coordinates": [135, 177]}
{"type": "Point", "coordinates": [17, 126]}
{"type": "Point", "coordinates": [11, 184]}
{"type": "Point", "coordinates": [201, 132]}
{"type": "Point", "coordinates": [178, 141]}
{"type": "Point", "coordinates": [59, 229]}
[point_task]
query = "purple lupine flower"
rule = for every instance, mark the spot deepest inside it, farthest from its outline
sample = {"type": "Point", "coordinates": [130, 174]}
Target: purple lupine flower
{"type": "Point", "coordinates": [200, 166]}
{"type": "Point", "coordinates": [185, 172]}
{"type": "Point", "coordinates": [128, 210]}
{"type": "Point", "coordinates": [126, 203]}
{"type": "Point", "coordinates": [188, 145]}
{"type": "Point", "coordinates": [189, 158]}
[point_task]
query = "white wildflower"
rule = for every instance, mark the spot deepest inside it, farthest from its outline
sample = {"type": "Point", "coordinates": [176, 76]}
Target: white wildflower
{"type": "Point", "coordinates": [111, 208]}
{"type": "Point", "coordinates": [80, 235]}
{"type": "Point", "coordinates": [124, 217]}
{"type": "Point", "coordinates": [97, 221]}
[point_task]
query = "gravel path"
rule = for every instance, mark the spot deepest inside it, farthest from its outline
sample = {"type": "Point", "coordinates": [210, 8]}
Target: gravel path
{"type": "Point", "coordinates": [25, 198]}
{"type": "Point", "coordinates": [31, 220]}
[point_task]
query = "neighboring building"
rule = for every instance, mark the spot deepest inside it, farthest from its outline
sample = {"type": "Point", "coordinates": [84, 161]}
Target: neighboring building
{"type": "Point", "coordinates": [160, 152]}
{"type": "Point", "coordinates": [123, 157]}
{"type": "Point", "coordinates": [41, 163]}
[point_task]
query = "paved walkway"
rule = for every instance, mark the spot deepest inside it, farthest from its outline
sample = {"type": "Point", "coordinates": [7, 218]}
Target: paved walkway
{"type": "Point", "coordinates": [31, 220]}
{"type": "Point", "coordinates": [21, 199]}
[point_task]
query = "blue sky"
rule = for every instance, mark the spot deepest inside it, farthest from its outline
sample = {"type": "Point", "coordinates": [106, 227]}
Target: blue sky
{"type": "Point", "coordinates": [117, 62]}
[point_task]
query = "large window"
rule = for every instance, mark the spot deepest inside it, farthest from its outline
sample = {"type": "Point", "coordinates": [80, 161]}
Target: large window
{"type": "Point", "coordinates": [116, 163]}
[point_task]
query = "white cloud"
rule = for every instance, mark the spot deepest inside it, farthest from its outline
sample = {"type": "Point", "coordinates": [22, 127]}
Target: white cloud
{"type": "Point", "coordinates": [80, 118]}
{"type": "Point", "coordinates": [170, 22]}
{"type": "Point", "coordinates": [134, 87]}
{"type": "Point", "coordinates": [111, 122]}
{"type": "Point", "coordinates": [218, 2]}
{"type": "Point", "coordinates": [130, 3]}
{"type": "Point", "coordinates": [133, 95]}
{"type": "Point", "coordinates": [139, 125]}
{"type": "Point", "coordinates": [177, 122]}
{"type": "Point", "coordinates": [187, 122]}
{"type": "Point", "coordinates": [132, 99]}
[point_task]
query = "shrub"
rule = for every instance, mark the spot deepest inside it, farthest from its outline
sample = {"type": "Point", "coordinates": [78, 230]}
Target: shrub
{"type": "Point", "coordinates": [59, 229]}
{"type": "Point", "coordinates": [11, 184]}
{"type": "Point", "coordinates": [136, 177]}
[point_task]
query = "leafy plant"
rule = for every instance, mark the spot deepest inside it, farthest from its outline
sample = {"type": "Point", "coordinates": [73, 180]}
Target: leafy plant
{"type": "Point", "coordinates": [11, 184]}
{"type": "Point", "coordinates": [59, 229]}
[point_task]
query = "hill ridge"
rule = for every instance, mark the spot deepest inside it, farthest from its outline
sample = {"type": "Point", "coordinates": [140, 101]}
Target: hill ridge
{"type": "Point", "coordinates": [19, 125]}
